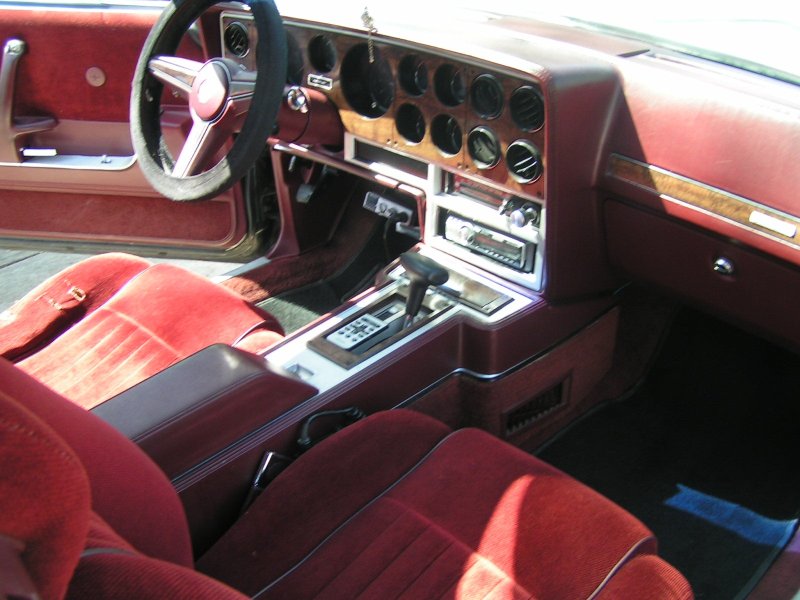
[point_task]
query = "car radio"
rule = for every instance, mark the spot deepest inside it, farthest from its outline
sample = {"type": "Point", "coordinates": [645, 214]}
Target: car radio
{"type": "Point", "coordinates": [517, 254]}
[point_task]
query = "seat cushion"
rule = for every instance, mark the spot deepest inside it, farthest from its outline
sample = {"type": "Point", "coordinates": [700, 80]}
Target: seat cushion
{"type": "Point", "coordinates": [159, 317]}
{"type": "Point", "coordinates": [110, 568]}
{"type": "Point", "coordinates": [646, 576]}
{"type": "Point", "coordinates": [62, 300]}
{"type": "Point", "coordinates": [463, 511]}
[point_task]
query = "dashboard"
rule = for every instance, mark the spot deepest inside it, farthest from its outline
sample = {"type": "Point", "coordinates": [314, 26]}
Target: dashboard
{"type": "Point", "coordinates": [436, 108]}
{"type": "Point", "coordinates": [560, 159]}
{"type": "Point", "coordinates": [412, 110]}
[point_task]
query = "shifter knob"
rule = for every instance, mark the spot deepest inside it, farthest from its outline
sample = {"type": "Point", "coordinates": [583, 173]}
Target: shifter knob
{"type": "Point", "coordinates": [421, 272]}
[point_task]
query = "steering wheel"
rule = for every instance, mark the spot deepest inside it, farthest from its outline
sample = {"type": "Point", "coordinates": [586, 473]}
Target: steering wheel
{"type": "Point", "coordinates": [220, 93]}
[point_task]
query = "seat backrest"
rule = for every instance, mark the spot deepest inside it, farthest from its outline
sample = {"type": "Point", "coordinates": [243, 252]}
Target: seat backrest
{"type": "Point", "coordinates": [127, 489]}
{"type": "Point", "coordinates": [51, 541]}
{"type": "Point", "coordinates": [44, 502]}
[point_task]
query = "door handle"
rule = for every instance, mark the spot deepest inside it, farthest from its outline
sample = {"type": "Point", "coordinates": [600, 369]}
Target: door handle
{"type": "Point", "coordinates": [12, 127]}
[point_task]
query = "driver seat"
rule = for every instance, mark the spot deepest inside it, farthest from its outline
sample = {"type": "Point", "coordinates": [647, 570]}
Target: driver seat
{"type": "Point", "coordinates": [108, 322]}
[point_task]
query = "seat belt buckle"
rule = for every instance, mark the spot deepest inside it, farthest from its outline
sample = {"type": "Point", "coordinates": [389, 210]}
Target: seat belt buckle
{"type": "Point", "coordinates": [272, 464]}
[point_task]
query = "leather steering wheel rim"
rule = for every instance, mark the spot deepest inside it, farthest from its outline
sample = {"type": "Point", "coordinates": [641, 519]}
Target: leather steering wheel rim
{"type": "Point", "coordinates": [153, 156]}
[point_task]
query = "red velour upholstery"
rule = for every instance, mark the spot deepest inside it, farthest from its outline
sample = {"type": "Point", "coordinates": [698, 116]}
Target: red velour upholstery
{"type": "Point", "coordinates": [394, 506]}
{"type": "Point", "coordinates": [647, 577]}
{"type": "Point", "coordinates": [161, 315]}
{"type": "Point", "coordinates": [472, 514]}
{"type": "Point", "coordinates": [44, 497]}
{"type": "Point", "coordinates": [110, 568]}
{"type": "Point", "coordinates": [50, 308]}
{"type": "Point", "coordinates": [128, 490]}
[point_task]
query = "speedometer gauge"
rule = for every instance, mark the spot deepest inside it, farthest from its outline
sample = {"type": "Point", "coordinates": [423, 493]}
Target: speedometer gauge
{"type": "Point", "coordinates": [367, 81]}
{"type": "Point", "coordinates": [483, 147]}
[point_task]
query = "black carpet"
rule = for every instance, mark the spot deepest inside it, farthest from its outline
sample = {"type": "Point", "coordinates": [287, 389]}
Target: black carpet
{"type": "Point", "coordinates": [705, 453]}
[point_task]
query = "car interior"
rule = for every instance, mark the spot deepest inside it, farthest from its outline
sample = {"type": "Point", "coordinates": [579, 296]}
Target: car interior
{"type": "Point", "coordinates": [514, 314]}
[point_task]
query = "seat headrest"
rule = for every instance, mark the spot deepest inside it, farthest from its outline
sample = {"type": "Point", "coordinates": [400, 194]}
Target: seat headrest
{"type": "Point", "coordinates": [44, 495]}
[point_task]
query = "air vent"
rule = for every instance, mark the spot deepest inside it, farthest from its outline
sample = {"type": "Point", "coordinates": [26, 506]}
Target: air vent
{"type": "Point", "coordinates": [524, 162]}
{"type": "Point", "coordinates": [236, 39]}
{"type": "Point", "coordinates": [527, 108]}
{"type": "Point", "coordinates": [529, 413]}
{"type": "Point", "coordinates": [486, 94]}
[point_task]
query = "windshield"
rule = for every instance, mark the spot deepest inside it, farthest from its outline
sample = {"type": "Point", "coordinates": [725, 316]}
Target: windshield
{"type": "Point", "coordinates": [761, 36]}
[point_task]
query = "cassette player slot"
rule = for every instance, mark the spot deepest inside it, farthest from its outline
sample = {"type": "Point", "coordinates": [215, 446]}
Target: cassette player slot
{"type": "Point", "coordinates": [498, 246]}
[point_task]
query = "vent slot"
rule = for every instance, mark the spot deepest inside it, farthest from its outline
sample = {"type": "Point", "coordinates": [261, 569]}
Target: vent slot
{"type": "Point", "coordinates": [524, 161]}
{"type": "Point", "coordinates": [527, 108]}
{"type": "Point", "coordinates": [237, 40]}
{"type": "Point", "coordinates": [534, 410]}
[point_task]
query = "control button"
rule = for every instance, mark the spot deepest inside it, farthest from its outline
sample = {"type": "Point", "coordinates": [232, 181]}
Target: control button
{"type": "Point", "coordinates": [357, 331]}
{"type": "Point", "coordinates": [467, 234]}
{"type": "Point", "coordinates": [724, 266]}
{"type": "Point", "coordinates": [522, 216]}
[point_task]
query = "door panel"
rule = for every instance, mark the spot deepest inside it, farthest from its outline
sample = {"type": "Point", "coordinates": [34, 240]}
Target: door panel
{"type": "Point", "coordinates": [77, 67]}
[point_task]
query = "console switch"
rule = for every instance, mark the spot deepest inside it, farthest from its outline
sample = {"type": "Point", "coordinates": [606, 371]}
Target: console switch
{"type": "Point", "coordinates": [359, 330]}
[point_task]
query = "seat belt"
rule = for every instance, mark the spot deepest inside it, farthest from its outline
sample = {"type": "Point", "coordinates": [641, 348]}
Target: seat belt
{"type": "Point", "coordinates": [15, 581]}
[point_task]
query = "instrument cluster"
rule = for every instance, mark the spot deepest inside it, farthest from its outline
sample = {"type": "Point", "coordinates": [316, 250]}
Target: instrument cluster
{"type": "Point", "coordinates": [442, 110]}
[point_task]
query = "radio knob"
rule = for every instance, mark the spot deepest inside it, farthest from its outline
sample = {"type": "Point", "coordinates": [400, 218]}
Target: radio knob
{"type": "Point", "coordinates": [467, 233]}
{"type": "Point", "coordinates": [520, 217]}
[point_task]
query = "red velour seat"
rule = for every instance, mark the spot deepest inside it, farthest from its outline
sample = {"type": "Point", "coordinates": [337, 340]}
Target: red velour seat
{"type": "Point", "coordinates": [393, 506]}
{"type": "Point", "coordinates": [111, 321]}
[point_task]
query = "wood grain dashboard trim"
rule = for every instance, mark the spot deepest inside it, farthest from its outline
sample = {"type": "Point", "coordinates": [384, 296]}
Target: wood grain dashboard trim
{"type": "Point", "coordinates": [668, 185]}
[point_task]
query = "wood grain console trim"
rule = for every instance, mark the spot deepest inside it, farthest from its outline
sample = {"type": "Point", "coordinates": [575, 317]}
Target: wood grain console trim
{"type": "Point", "coordinates": [669, 185]}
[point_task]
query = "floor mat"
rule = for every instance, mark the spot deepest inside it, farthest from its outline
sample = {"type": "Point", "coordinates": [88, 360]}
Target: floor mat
{"type": "Point", "coordinates": [705, 453]}
{"type": "Point", "coordinates": [292, 272]}
{"type": "Point", "coordinates": [296, 308]}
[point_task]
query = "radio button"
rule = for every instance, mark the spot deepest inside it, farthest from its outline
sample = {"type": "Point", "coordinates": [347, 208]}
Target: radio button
{"type": "Point", "coordinates": [466, 234]}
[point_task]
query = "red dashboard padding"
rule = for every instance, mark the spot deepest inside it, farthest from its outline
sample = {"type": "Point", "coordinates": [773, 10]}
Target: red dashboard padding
{"type": "Point", "coordinates": [161, 316]}
{"type": "Point", "coordinates": [44, 496]}
{"type": "Point", "coordinates": [56, 304]}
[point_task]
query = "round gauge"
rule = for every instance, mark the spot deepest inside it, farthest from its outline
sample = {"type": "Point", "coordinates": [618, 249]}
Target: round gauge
{"type": "Point", "coordinates": [524, 161]}
{"type": "Point", "coordinates": [410, 123]}
{"type": "Point", "coordinates": [483, 147]}
{"type": "Point", "coordinates": [449, 85]}
{"type": "Point", "coordinates": [413, 75]}
{"type": "Point", "coordinates": [368, 85]}
{"type": "Point", "coordinates": [446, 134]}
{"type": "Point", "coordinates": [527, 108]}
{"type": "Point", "coordinates": [486, 96]}
{"type": "Point", "coordinates": [294, 63]}
{"type": "Point", "coordinates": [322, 53]}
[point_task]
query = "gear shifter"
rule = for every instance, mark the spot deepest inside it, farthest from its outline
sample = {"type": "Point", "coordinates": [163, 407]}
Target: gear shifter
{"type": "Point", "coordinates": [422, 272]}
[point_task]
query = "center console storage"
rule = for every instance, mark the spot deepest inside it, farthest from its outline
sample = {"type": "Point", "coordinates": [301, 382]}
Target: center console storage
{"type": "Point", "coordinates": [197, 407]}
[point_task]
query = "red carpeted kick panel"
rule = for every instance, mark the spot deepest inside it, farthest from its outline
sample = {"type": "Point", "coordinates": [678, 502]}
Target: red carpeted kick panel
{"type": "Point", "coordinates": [68, 296]}
{"type": "Point", "coordinates": [44, 496]}
{"type": "Point", "coordinates": [161, 316]}
{"type": "Point", "coordinates": [471, 518]}
{"type": "Point", "coordinates": [127, 489]}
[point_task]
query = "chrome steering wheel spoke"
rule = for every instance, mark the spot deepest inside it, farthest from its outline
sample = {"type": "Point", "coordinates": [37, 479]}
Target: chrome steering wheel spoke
{"type": "Point", "coordinates": [201, 144]}
{"type": "Point", "coordinates": [177, 73]}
